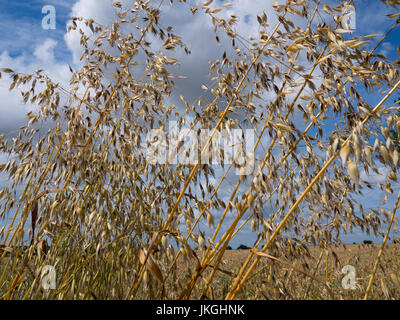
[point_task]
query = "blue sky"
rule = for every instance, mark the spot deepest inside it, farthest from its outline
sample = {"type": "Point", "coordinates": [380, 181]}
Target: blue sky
{"type": "Point", "coordinates": [20, 23]}
{"type": "Point", "coordinates": [25, 46]}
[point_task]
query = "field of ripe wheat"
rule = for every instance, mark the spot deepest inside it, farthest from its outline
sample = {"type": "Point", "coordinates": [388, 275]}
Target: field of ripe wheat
{"type": "Point", "coordinates": [120, 185]}
{"type": "Point", "coordinates": [301, 278]}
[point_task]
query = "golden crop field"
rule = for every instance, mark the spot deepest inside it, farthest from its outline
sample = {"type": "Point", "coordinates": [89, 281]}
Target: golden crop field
{"type": "Point", "coordinates": [303, 278]}
{"type": "Point", "coordinates": [157, 146]}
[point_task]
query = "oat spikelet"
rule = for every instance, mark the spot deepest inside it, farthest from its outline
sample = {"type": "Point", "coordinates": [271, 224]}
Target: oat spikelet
{"type": "Point", "coordinates": [385, 155]}
{"type": "Point", "coordinates": [368, 154]}
{"type": "Point", "coordinates": [344, 153]}
{"type": "Point", "coordinates": [201, 242]}
{"type": "Point", "coordinates": [164, 241]}
{"type": "Point", "coordinates": [395, 158]}
{"type": "Point", "coordinates": [353, 171]}
{"type": "Point", "coordinates": [210, 220]}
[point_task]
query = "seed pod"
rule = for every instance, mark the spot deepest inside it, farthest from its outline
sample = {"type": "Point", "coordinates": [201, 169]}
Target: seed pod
{"type": "Point", "coordinates": [353, 172]}
{"type": "Point", "coordinates": [368, 155]}
{"type": "Point", "coordinates": [79, 212]}
{"type": "Point", "coordinates": [200, 240]}
{"type": "Point", "coordinates": [164, 241]}
{"type": "Point", "coordinates": [357, 146]}
{"type": "Point", "coordinates": [254, 225]}
{"type": "Point", "coordinates": [395, 279]}
{"type": "Point", "coordinates": [395, 157]}
{"type": "Point", "coordinates": [385, 155]}
{"type": "Point", "coordinates": [243, 173]}
{"type": "Point", "coordinates": [386, 132]}
{"type": "Point", "coordinates": [171, 250]}
{"type": "Point", "coordinates": [145, 277]}
{"type": "Point", "coordinates": [210, 220]}
{"type": "Point", "coordinates": [335, 145]}
{"type": "Point", "coordinates": [250, 200]}
{"type": "Point", "coordinates": [169, 256]}
{"type": "Point", "coordinates": [390, 121]}
{"type": "Point", "coordinates": [54, 206]}
{"type": "Point", "coordinates": [91, 217]}
{"type": "Point", "coordinates": [376, 145]}
{"type": "Point", "coordinates": [389, 143]}
{"type": "Point", "coordinates": [344, 153]}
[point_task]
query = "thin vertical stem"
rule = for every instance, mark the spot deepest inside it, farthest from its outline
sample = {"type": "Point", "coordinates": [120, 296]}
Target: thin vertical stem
{"type": "Point", "coordinates": [378, 258]}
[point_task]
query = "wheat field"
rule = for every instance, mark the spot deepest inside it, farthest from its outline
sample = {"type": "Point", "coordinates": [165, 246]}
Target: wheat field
{"type": "Point", "coordinates": [92, 195]}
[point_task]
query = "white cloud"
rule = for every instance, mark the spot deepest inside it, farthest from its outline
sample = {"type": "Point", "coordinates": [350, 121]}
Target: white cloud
{"type": "Point", "coordinates": [373, 177]}
{"type": "Point", "coordinates": [45, 52]}
{"type": "Point", "coordinates": [13, 110]}
{"type": "Point", "coordinates": [387, 48]}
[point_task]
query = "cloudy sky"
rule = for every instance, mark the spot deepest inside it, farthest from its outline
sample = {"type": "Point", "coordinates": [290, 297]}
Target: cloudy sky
{"type": "Point", "coordinates": [26, 46]}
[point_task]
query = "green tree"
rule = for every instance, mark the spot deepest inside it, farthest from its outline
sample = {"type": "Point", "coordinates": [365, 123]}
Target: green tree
{"type": "Point", "coordinates": [394, 132]}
